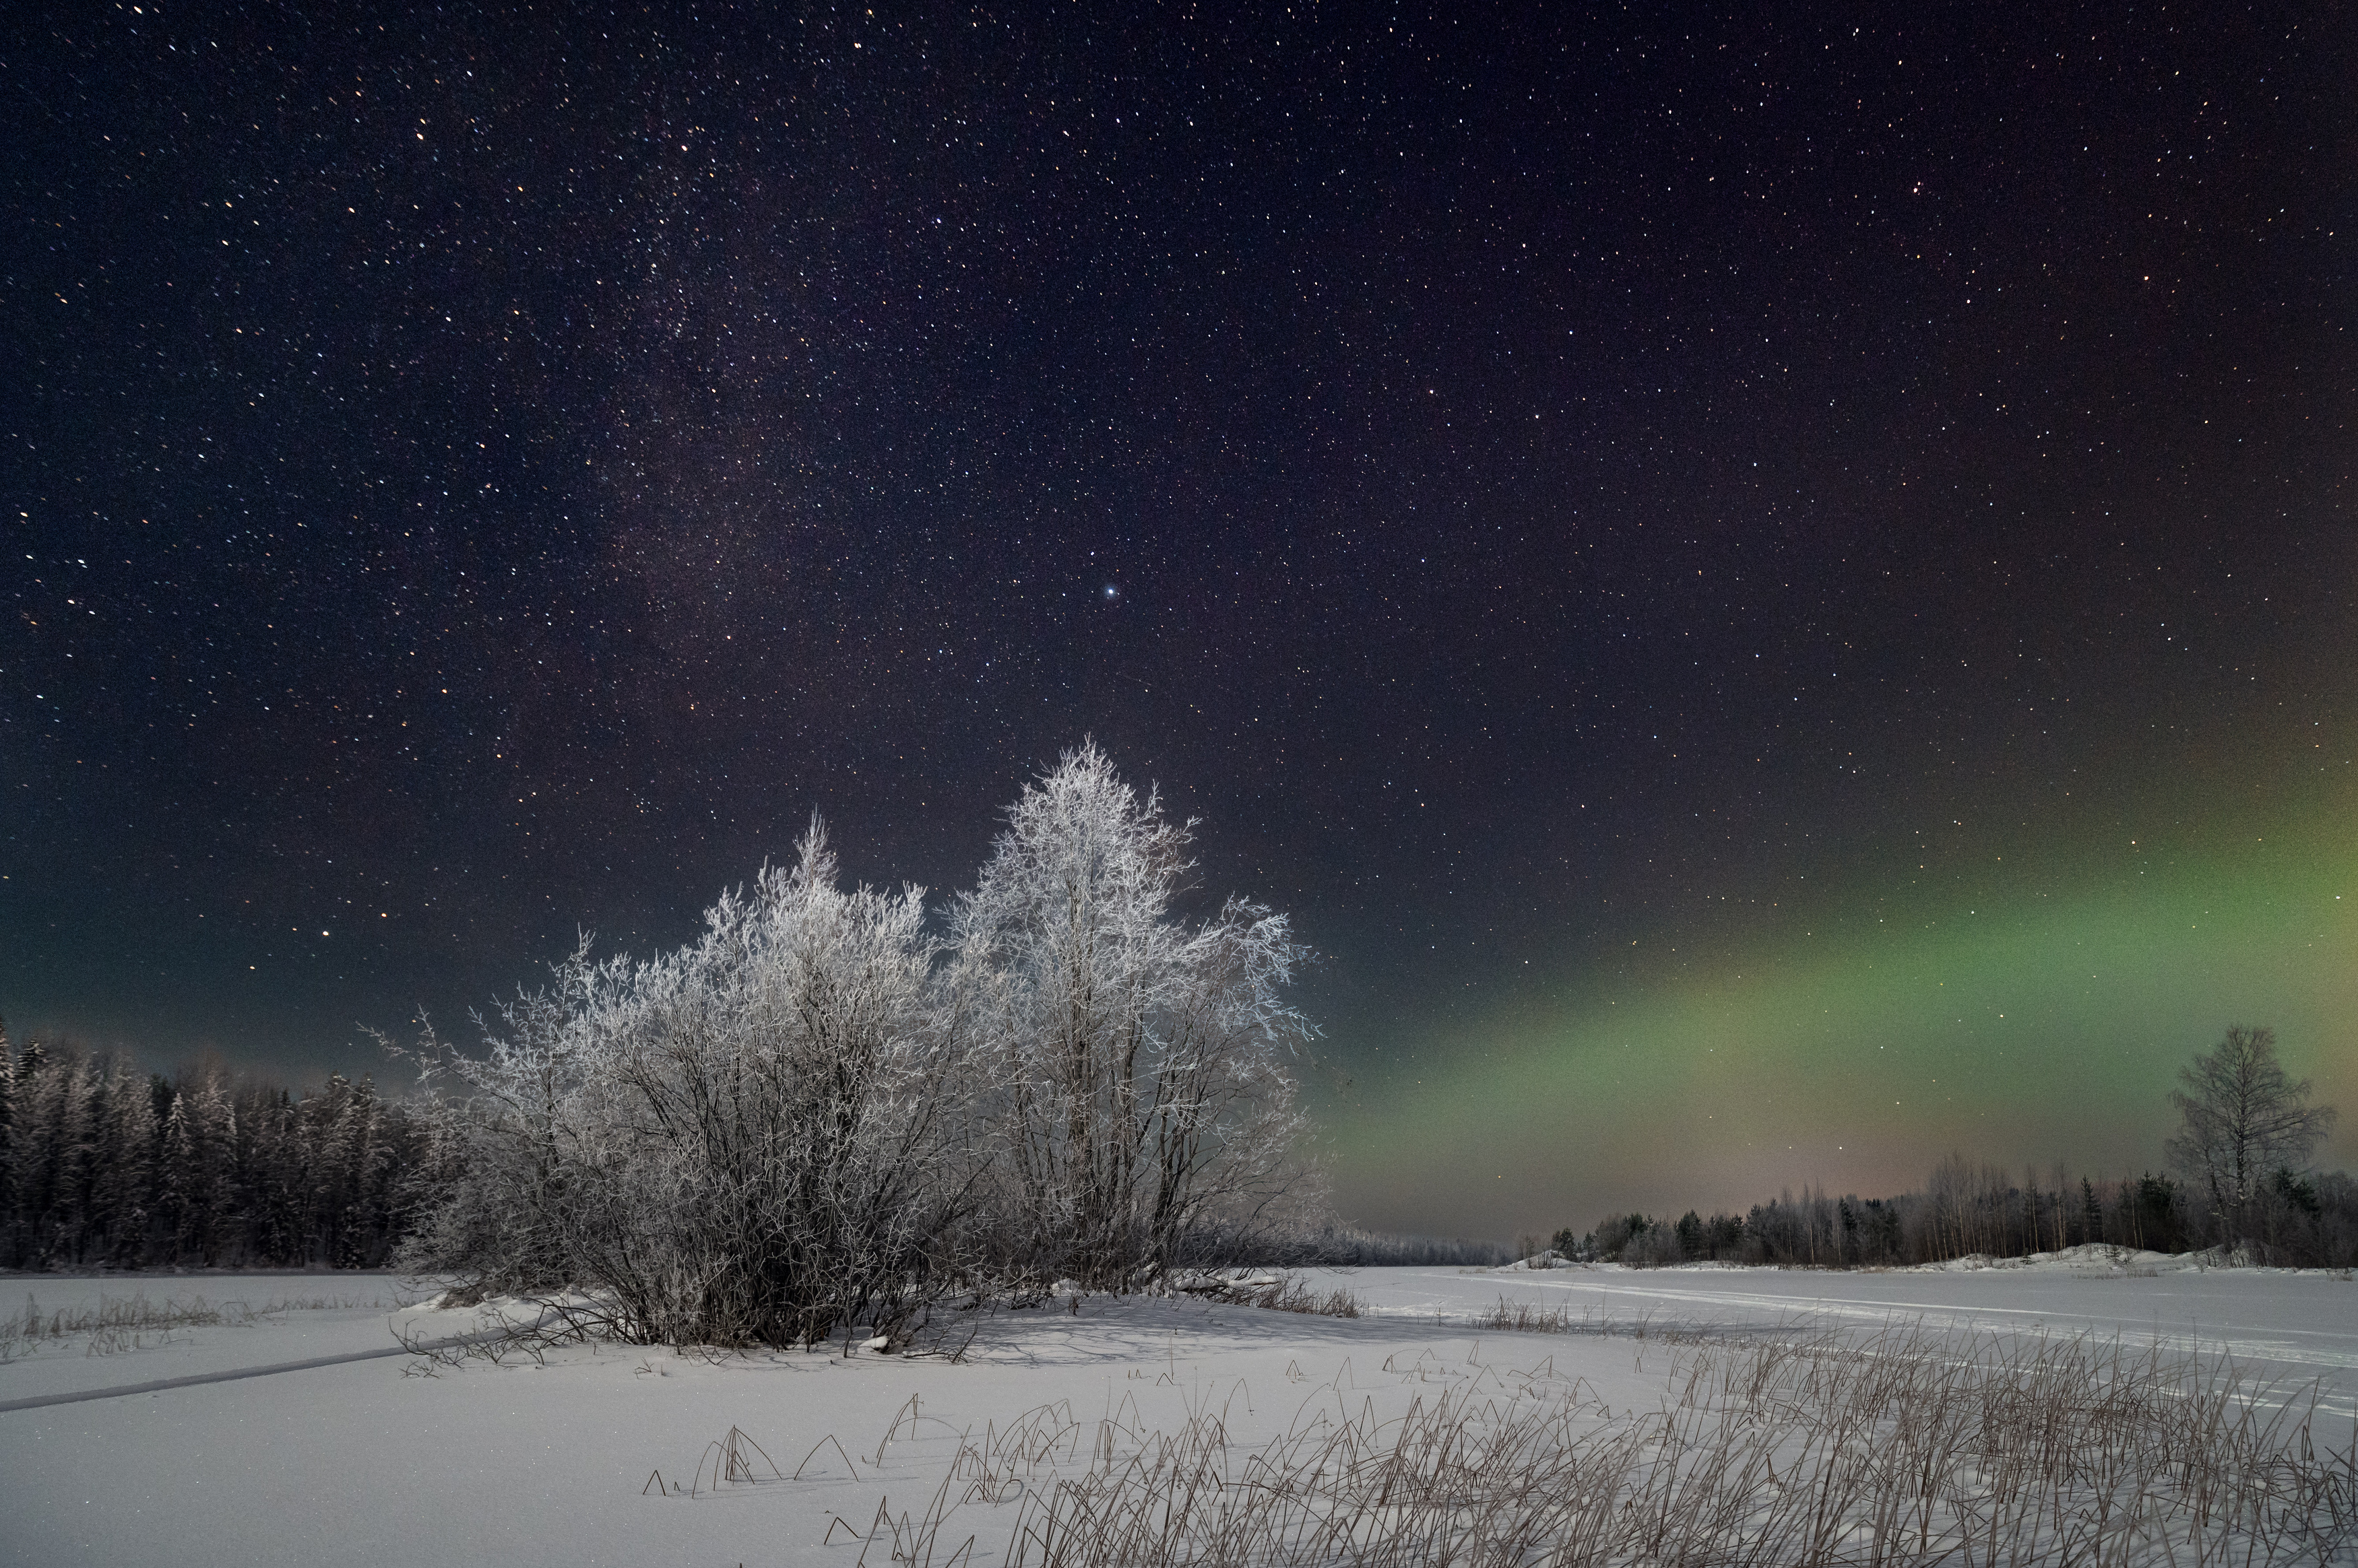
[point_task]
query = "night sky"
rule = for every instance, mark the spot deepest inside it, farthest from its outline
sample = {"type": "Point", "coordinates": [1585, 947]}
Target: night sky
{"type": "Point", "coordinates": [1776, 595]}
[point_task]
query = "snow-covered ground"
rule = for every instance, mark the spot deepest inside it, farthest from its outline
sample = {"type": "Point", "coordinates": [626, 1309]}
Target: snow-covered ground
{"type": "Point", "coordinates": [266, 1318]}
{"type": "Point", "coordinates": [2291, 1325]}
{"type": "Point", "coordinates": [530, 1462]}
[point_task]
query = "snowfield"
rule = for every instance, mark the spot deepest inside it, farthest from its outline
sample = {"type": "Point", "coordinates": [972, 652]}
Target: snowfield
{"type": "Point", "coordinates": [607, 1454]}
{"type": "Point", "coordinates": [2291, 1325]}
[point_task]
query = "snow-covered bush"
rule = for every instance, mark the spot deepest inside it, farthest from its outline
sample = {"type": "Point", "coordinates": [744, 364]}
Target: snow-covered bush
{"type": "Point", "coordinates": [817, 1114]}
{"type": "Point", "coordinates": [753, 1139]}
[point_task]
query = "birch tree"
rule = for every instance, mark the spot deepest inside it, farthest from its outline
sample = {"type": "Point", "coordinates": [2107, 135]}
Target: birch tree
{"type": "Point", "coordinates": [2241, 1119]}
{"type": "Point", "coordinates": [1140, 1062]}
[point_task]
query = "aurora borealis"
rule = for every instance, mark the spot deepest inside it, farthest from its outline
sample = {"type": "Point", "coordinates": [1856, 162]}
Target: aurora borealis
{"type": "Point", "coordinates": [1774, 597]}
{"type": "Point", "coordinates": [2021, 1023]}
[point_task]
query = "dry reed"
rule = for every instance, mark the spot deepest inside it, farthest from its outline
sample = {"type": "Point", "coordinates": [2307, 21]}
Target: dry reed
{"type": "Point", "coordinates": [135, 1322]}
{"type": "Point", "coordinates": [1898, 1448]}
{"type": "Point", "coordinates": [1525, 1317]}
{"type": "Point", "coordinates": [1288, 1293]}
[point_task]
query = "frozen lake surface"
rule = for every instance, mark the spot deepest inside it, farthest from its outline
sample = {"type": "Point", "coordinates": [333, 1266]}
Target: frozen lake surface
{"type": "Point", "coordinates": [2283, 1324]}
{"type": "Point", "coordinates": [531, 1462]}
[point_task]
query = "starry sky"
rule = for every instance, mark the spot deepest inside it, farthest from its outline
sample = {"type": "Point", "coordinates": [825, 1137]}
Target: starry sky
{"type": "Point", "coordinates": [1774, 588]}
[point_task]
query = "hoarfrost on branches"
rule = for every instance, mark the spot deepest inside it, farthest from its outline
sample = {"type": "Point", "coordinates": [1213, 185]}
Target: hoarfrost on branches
{"type": "Point", "coordinates": [817, 1114]}
{"type": "Point", "coordinates": [1142, 1091]}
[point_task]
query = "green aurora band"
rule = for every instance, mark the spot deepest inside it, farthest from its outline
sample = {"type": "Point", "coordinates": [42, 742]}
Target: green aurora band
{"type": "Point", "coordinates": [2022, 1023]}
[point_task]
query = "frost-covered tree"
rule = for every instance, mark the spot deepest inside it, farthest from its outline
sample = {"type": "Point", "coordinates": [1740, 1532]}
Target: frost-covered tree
{"type": "Point", "coordinates": [174, 1171]}
{"type": "Point", "coordinates": [103, 1164]}
{"type": "Point", "coordinates": [345, 1129]}
{"type": "Point", "coordinates": [2241, 1119]}
{"type": "Point", "coordinates": [53, 1155]}
{"type": "Point", "coordinates": [1140, 1061]}
{"type": "Point", "coordinates": [358, 1137]}
{"type": "Point", "coordinates": [120, 1182]}
{"type": "Point", "coordinates": [213, 1199]}
{"type": "Point", "coordinates": [756, 1138]}
{"type": "Point", "coordinates": [7, 1148]}
{"type": "Point", "coordinates": [501, 1131]}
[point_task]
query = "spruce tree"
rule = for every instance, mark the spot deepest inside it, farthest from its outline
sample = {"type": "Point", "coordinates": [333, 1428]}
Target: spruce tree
{"type": "Point", "coordinates": [124, 1144]}
{"type": "Point", "coordinates": [7, 1150]}
{"type": "Point", "coordinates": [175, 1179]}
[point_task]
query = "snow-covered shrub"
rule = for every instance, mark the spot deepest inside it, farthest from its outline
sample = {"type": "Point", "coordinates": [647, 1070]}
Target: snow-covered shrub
{"type": "Point", "coordinates": [755, 1139]}
{"type": "Point", "coordinates": [817, 1114]}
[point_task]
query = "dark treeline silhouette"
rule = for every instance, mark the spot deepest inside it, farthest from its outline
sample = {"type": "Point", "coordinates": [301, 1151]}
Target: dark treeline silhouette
{"type": "Point", "coordinates": [1330, 1245]}
{"type": "Point", "coordinates": [1347, 1247]}
{"type": "Point", "coordinates": [105, 1166]}
{"type": "Point", "coordinates": [1968, 1210]}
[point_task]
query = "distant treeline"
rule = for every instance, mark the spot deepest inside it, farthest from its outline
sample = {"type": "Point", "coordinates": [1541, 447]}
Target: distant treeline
{"type": "Point", "coordinates": [1347, 1247]}
{"type": "Point", "coordinates": [1968, 1208]}
{"type": "Point", "coordinates": [105, 1166]}
{"type": "Point", "coordinates": [1337, 1246]}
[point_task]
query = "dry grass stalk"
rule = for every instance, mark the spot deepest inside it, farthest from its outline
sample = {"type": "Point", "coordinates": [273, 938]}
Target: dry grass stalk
{"type": "Point", "coordinates": [1291, 1294]}
{"type": "Point", "coordinates": [733, 1460]}
{"type": "Point", "coordinates": [1279, 1293]}
{"type": "Point", "coordinates": [135, 1322]}
{"type": "Point", "coordinates": [1900, 1448]}
{"type": "Point", "coordinates": [1526, 1317]}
